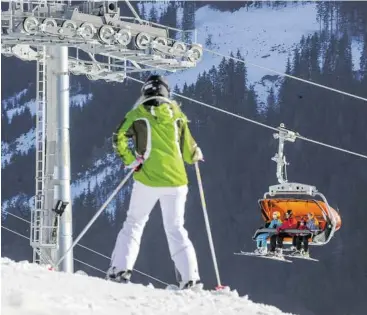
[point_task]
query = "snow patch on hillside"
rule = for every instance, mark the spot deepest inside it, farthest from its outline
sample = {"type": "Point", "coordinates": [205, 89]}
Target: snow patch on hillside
{"type": "Point", "coordinates": [95, 176]}
{"type": "Point", "coordinates": [265, 37]}
{"type": "Point", "coordinates": [80, 99]}
{"type": "Point", "coordinates": [20, 146]}
{"type": "Point", "coordinates": [33, 290]}
{"type": "Point", "coordinates": [18, 109]}
{"type": "Point", "coordinates": [20, 201]}
{"type": "Point", "coordinates": [26, 141]}
{"type": "Point", "coordinates": [159, 6]}
{"type": "Point", "coordinates": [13, 100]}
{"type": "Point", "coordinates": [357, 49]}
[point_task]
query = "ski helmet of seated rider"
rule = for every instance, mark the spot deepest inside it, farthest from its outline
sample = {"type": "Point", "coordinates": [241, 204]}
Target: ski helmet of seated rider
{"type": "Point", "coordinates": [310, 215]}
{"type": "Point", "coordinates": [276, 214]}
{"type": "Point", "coordinates": [155, 85]}
{"type": "Point", "coordinates": [289, 212]}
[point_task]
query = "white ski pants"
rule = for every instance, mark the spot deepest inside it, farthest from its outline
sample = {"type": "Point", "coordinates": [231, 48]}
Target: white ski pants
{"type": "Point", "coordinates": [172, 201]}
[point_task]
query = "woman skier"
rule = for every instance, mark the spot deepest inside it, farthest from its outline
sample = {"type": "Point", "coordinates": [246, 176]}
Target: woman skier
{"type": "Point", "coordinates": [162, 143]}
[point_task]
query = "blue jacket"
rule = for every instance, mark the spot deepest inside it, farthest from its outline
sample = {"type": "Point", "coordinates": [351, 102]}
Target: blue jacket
{"type": "Point", "coordinates": [274, 224]}
{"type": "Point", "coordinates": [311, 225]}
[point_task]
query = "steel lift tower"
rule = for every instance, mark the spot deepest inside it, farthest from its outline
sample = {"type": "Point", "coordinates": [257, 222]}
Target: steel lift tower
{"type": "Point", "coordinates": [91, 39]}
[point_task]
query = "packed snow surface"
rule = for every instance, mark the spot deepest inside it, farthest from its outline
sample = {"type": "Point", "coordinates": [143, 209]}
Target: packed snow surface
{"type": "Point", "coordinates": [29, 289]}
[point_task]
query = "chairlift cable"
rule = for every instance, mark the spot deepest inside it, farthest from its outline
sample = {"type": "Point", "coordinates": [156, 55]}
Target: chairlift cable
{"type": "Point", "coordinates": [280, 73]}
{"type": "Point", "coordinates": [259, 123]}
{"type": "Point", "coordinates": [287, 75]}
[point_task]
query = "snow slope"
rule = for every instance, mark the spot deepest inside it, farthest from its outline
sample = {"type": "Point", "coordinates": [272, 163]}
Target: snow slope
{"type": "Point", "coordinates": [33, 290]}
{"type": "Point", "coordinates": [265, 36]}
{"type": "Point", "coordinates": [101, 169]}
{"type": "Point", "coordinates": [16, 109]}
{"type": "Point", "coordinates": [13, 100]}
{"type": "Point", "coordinates": [357, 49]}
{"type": "Point", "coordinates": [21, 145]}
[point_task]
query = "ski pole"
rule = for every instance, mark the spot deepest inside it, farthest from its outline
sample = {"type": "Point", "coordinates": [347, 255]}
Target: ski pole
{"type": "Point", "coordinates": [96, 216]}
{"type": "Point", "coordinates": [207, 225]}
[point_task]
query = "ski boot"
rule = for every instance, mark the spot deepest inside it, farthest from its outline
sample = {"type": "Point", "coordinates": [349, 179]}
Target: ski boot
{"type": "Point", "coordinates": [120, 277]}
{"type": "Point", "coordinates": [261, 251]}
{"type": "Point", "coordinates": [279, 252]}
{"type": "Point", "coordinates": [296, 253]}
{"type": "Point", "coordinates": [192, 284]}
{"type": "Point", "coordinates": [305, 254]}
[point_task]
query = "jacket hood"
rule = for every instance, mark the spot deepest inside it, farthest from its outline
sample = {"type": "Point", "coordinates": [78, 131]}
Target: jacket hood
{"type": "Point", "coordinates": [164, 112]}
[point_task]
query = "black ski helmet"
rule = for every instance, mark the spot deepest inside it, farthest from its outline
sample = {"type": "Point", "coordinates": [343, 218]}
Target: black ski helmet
{"type": "Point", "coordinates": [155, 85]}
{"type": "Point", "coordinates": [289, 212]}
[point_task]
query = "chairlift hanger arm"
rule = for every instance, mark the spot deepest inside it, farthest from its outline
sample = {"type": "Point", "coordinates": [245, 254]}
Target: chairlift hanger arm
{"type": "Point", "coordinates": [283, 135]}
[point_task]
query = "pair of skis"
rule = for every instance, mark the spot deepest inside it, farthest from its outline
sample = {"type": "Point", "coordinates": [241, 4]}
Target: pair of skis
{"type": "Point", "coordinates": [277, 258]}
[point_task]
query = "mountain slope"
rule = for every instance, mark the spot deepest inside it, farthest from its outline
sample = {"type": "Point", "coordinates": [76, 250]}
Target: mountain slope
{"type": "Point", "coordinates": [265, 36]}
{"type": "Point", "coordinates": [227, 31]}
{"type": "Point", "coordinates": [33, 290]}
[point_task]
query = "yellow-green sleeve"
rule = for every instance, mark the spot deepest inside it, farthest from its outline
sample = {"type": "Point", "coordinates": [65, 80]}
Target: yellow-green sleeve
{"type": "Point", "coordinates": [188, 144]}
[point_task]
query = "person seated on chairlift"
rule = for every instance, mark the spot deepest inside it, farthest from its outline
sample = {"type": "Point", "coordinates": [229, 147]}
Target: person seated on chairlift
{"type": "Point", "coordinates": [312, 225]}
{"type": "Point", "coordinates": [262, 248]}
{"type": "Point", "coordinates": [301, 239]}
{"type": "Point", "coordinates": [276, 240]}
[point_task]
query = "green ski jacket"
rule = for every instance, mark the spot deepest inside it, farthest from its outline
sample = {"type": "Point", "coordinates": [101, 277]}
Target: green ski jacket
{"type": "Point", "coordinates": [161, 135]}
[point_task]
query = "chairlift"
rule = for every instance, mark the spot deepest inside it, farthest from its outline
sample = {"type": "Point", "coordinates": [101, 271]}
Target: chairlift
{"type": "Point", "coordinates": [300, 198]}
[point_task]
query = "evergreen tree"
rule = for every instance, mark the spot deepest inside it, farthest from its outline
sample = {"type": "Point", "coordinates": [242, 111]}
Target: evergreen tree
{"type": "Point", "coordinates": [142, 12]}
{"type": "Point", "coordinates": [153, 15]}
{"type": "Point", "coordinates": [251, 102]}
{"type": "Point", "coordinates": [320, 7]}
{"type": "Point", "coordinates": [330, 59]}
{"type": "Point", "coordinates": [296, 62]}
{"type": "Point", "coordinates": [315, 47]}
{"type": "Point", "coordinates": [287, 92]}
{"type": "Point", "coordinates": [363, 62]}
{"type": "Point", "coordinates": [240, 75]}
{"type": "Point", "coordinates": [4, 125]}
{"type": "Point", "coordinates": [272, 111]}
{"type": "Point", "coordinates": [221, 82]}
{"type": "Point", "coordinates": [363, 84]}
{"type": "Point", "coordinates": [343, 62]}
{"type": "Point", "coordinates": [169, 17]}
{"type": "Point", "coordinates": [188, 20]}
{"type": "Point", "coordinates": [208, 42]}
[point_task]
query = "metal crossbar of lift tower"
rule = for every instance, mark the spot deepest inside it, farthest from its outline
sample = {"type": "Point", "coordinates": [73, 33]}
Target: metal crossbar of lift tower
{"type": "Point", "coordinates": [107, 45]}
